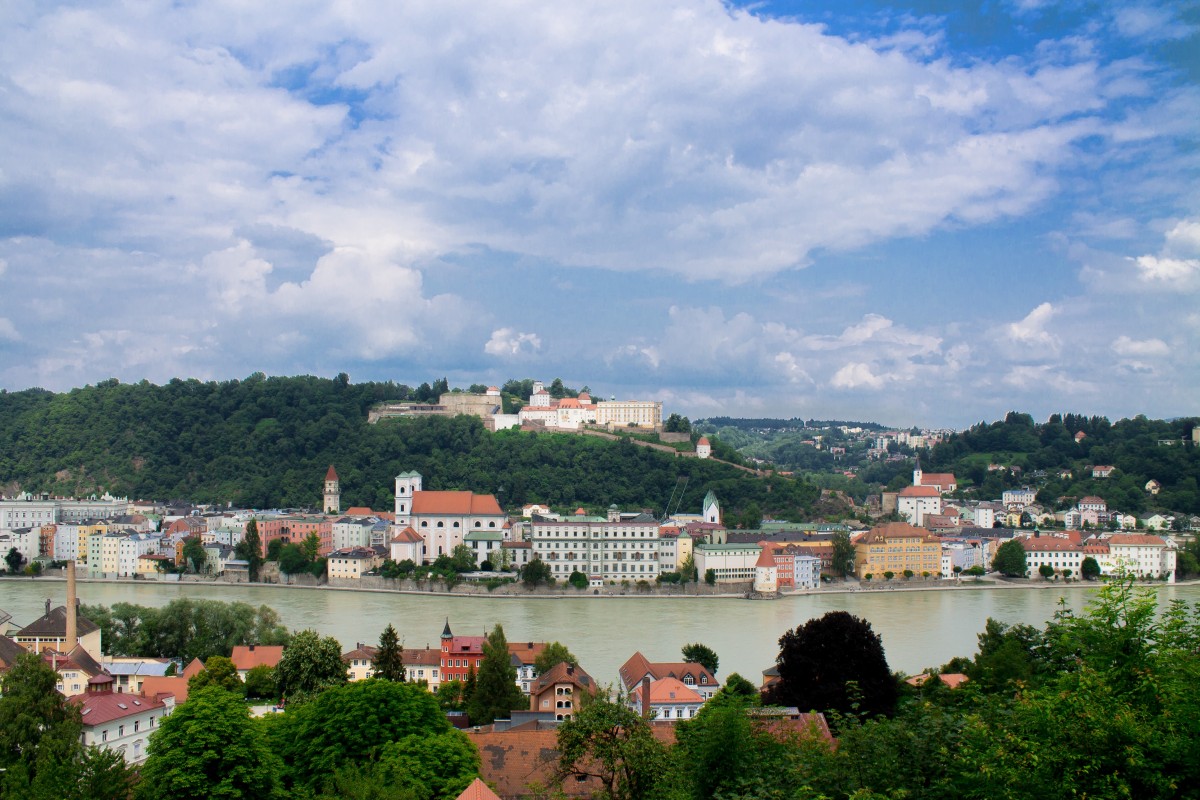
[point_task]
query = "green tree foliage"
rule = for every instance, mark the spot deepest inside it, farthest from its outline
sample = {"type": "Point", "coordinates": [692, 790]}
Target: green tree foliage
{"type": "Point", "coordinates": [554, 653]}
{"type": "Point", "coordinates": [1010, 559]}
{"type": "Point", "coordinates": [1090, 569]}
{"type": "Point", "coordinates": [193, 554]}
{"type": "Point", "coordinates": [496, 691]}
{"type": "Point", "coordinates": [209, 747]}
{"type": "Point", "coordinates": [293, 560]}
{"type": "Point", "coordinates": [250, 549]}
{"type": "Point", "coordinates": [14, 560]}
{"type": "Point", "coordinates": [609, 742]}
{"type": "Point", "coordinates": [185, 628]}
{"type": "Point", "coordinates": [710, 577]}
{"type": "Point", "coordinates": [429, 765]}
{"type": "Point", "coordinates": [218, 671]}
{"type": "Point", "coordinates": [309, 664]}
{"type": "Point", "coordinates": [703, 655]}
{"type": "Point", "coordinates": [677, 424]}
{"type": "Point", "coordinates": [578, 580]}
{"type": "Point", "coordinates": [267, 442]}
{"type": "Point", "coordinates": [834, 663]}
{"type": "Point", "coordinates": [388, 663]}
{"type": "Point", "coordinates": [1045, 570]}
{"type": "Point", "coordinates": [260, 682]}
{"type": "Point", "coordinates": [843, 553]}
{"type": "Point", "coordinates": [350, 725]}
{"type": "Point", "coordinates": [38, 730]}
{"type": "Point", "coordinates": [537, 573]}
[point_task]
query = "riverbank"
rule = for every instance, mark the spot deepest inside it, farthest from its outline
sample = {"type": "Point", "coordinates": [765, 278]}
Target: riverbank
{"type": "Point", "coordinates": [702, 591]}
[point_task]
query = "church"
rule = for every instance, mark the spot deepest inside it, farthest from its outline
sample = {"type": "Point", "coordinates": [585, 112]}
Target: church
{"type": "Point", "coordinates": [442, 519]}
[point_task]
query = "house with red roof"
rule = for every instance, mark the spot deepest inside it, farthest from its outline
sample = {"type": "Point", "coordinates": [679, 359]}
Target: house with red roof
{"type": "Point", "coordinates": [694, 676]}
{"type": "Point", "coordinates": [120, 722]}
{"type": "Point", "coordinates": [560, 690]}
{"type": "Point", "coordinates": [667, 699]}
{"type": "Point", "coordinates": [443, 518]}
{"type": "Point", "coordinates": [915, 503]}
{"type": "Point", "coordinates": [944, 482]}
{"type": "Point", "coordinates": [247, 657]}
{"type": "Point", "coordinates": [460, 655]}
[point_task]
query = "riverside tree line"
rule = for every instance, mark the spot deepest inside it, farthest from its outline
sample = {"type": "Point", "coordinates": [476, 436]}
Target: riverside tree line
{"type": "Point", "coordinates": [1096, 705]}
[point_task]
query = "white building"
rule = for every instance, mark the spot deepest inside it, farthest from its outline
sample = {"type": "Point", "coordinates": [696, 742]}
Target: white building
{"type": "Point", "coordinates": [349, 532]}
{"type": "Point", "coordinates": [442, 519]}
{"type": "Point", "coordinates": [1142, 554]}
{"type": "Point", "coordinates": [730, 563]}
{"type": "Point", "coordinates": [1018, 497]}
{"type": "Point", "coordinates": [915, 503]}
{"type": "Point", "coordinates": [120, 722]}
{"type": "Point", "coordinates": [603, 548]}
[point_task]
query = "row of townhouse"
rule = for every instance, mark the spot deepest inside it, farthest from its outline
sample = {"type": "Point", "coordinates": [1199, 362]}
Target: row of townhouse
{"type": "Point", "coordinates": [1143, 555]}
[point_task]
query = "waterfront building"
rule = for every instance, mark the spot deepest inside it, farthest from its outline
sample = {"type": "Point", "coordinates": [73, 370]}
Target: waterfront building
{"type": "Point", "coordinates": [460, 655]}
{"type": "Point", "coordinates": [352, 562]}
{"type": "Point", "coordinates": [609, 548]}
{"type": "Point", "coordinates": [730, 563]}
{"type": "Point", "coordinates": [896, 547]}
{"type": "Point", "coordinates": [348, 532]}
{"type": "Point", "coordinates": [442, 519]}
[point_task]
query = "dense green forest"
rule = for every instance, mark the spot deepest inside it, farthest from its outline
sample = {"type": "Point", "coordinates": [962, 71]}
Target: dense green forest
{"type": "Point", "coordinates": [266, 443]}
{"type": "Point", "coordinates": [1043, 451]}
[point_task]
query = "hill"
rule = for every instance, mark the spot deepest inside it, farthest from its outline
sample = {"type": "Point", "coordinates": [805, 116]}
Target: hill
{"type": "Point", "coordinates": [266, 442]}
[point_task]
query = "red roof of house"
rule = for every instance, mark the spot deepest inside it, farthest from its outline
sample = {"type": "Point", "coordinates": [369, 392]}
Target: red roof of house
{"type": "Point", "coordinates": [894, 530]}
{"type": "Point", "coordinates": [1092, 499]}
{"type": "Point", "coordinates": [951, 679]}
{"type": "Point", "coordinates": [478, 790]}
{"type": "Point", "coordinates": [364, 652]}
{"type": "Point", "coordinates": [101, 707]}
{"type": "Point", "coordinates": [702, 440]}
{"type": "Point", "coordinates": [1135, 538]}
{"type": "Point", "coordinates": [938, 479]}
{"type": "Point", "coordinates": [765, 558]}
{"type": "Point", "coordinates": [1034, 544]}
{"type": "Point", "coordinates": [426, 657]}
{"type": "Point", "coordinates": [666, 691]}
{"type": "Point", "coordinates": [526, 651]}
{"type": "Point", "coordinates": [638, 666]}
{"type": "Point", "coordinates": [454, 503]}
{"type": "Point", "coordinates": [408, 536]}
{"type": "Point", "coordinates": [920, 491]}
{"type": "Point", "coordinates": [246, 657]}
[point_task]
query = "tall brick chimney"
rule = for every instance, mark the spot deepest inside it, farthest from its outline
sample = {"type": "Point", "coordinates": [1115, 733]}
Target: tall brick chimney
{"type": "Point", "coordinates": [646, 697]}
{"type": "Point", "coordinates": [72, 626]}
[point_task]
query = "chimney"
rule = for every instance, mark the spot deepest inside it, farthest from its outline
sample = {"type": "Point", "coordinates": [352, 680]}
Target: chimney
{"type": "Point", "coordinates": [47, 605]}
{"type": "Point", "coordinates": [72, 610]}
{"type": "Point", "coordinates": [646, 697]}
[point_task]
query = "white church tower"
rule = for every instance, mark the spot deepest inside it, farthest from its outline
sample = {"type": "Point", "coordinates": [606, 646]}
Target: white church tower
{"type": "Point", "coordinates": [917, 473]}
{"type": "Point", "coordinates": [407, 484]}
{"type": "Point", "coordinates": [333, 494]}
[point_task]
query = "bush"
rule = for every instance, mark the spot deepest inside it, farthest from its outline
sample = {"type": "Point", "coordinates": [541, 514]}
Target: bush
{"type": "Point", "coordinates": [889, 575]}
{"type": "Point", "coordinates": [643, 585]}
{"type": "Point", "coordinates": [908, 573]}
{"type": "Point", "coordinates": [578, 580]}
{"type": "Point", "coordinates": [868, 576]}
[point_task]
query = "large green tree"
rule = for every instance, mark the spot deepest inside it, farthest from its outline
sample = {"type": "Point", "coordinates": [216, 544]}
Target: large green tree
{"type": "Point", "coordinates": [39, 732]}
{"type": "Point", "coordinates": [349, 725]}
{"type": "Point", "coordinates": [703, 655]}
{"type": "Point", "coordinates": [843, 553]}
{"type": "Point", "coordinates": [388, 663]}
{"type": "Point", "coordinates": [834, 663]}
{"type": "Point", "coordinates": [1010, 559]}
{"type": "Point", "coordinates": [209, 747]}
{"type": "Point", "coordinates": [309, 664]}
{"type": "Point", "coordinates": [218, 671]}
{"type": "Point", "coordinates": [553, 654]}
{"type": "Point", "coordinates": [496, 691]}
{"type": "Point", "coordinates": [249, 549]}
{"type": "Point", "coordinates": [608, 742]}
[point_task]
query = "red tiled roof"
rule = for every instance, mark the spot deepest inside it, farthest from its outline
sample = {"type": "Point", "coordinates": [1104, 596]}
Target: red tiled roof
{"type": "Point", "coordinates": [938, 479]}
{"type": "Point", "coordinates": [246, 657]}
{"type": "Point", "coordinates": [1032, 543]}
{"type": "Point", "coordinates": [526, 651]}
{"type": "Point", "coordinates": [364, 652]}
{"type": "Point", "coordinates": [454, 503]}
{"type": "Point", "coordinates": [103, 707]}
{"type": "Point", "coordinates": [478, 790]}
{"type": "Point", "coordinates": [667, 690]}
{"type": "Point", "coordinates": [175, 685]}
{"type": "Point", "coordinates": [919, 491]}
{"type": "Point", "coordinates": [408, 536]}
{"type": "Point", "coordinates": [1135, 539]}
{"type": "Point", "coordinates": [426, 657]}
{"type": "Point", "coordinates": [638, 666]}
{"type": "Point", "coordinates": [331, 475]}
{"type": "Point", "coordinates": [894, 530]}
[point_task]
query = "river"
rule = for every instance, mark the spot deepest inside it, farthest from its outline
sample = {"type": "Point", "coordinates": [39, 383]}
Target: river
{"type": "Point", "coordinates": [919, 628]}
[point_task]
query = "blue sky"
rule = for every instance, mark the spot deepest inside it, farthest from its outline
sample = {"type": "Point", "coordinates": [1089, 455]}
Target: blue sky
{"type": "Point", "coordinates": [919, 213]}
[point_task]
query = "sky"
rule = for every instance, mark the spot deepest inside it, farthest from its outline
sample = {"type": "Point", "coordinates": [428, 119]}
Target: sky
{"type": "Point", "coordinates": [918, 213]}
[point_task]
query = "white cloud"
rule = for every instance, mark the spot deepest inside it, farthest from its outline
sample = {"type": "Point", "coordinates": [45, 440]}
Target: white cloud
{"type": "Point", "coordinates": [1179, 260]}
{"type": "Point", "coordinates": [1168, 270]}
{"type": "Point", "coordinates": [1032, 329]}
{"type": "Point", "coordinates": [1125, 346]}
{"type": "Point", "coordinates": [8, 331]}
{"type": "Point", "coordinates": [507, 342]}
{"type": "Point", "coordinates": [857, 376]}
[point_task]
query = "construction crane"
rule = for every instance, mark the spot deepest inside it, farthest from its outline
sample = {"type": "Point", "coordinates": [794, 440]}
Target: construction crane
{"type": "Point", "coordinates": [676, 497]}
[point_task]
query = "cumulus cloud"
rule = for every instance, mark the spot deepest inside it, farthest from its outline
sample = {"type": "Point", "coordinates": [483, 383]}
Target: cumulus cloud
{"type": "Point", "coordinates": [1125, 346]}
{"type": "Point", "coordinates": [1032, 329]}
{"type": "Point", "coordinates": [1179, 260]}
{"type": "Point", "coordinates": [856, 376]}
{"type": "Point", "coordinates": [8, 331]}
{"type": "Point", "coordinates": [507, 342]}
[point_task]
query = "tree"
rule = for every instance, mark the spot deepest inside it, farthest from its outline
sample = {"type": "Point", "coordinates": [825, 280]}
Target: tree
{"type": "Point", "coordinates": [218, 671]}
{"type": "Point", "coordinates": [834, 663]}
{"type": "Point", "coordinates": [612, 743]}
{"type": "Point", "coordinates": [14, 559]}
{"type": "Point", "coordinates": [249, 549]}
{"type": "Point", "coordinates": [388, 663]}
{"type": "Point", "coordinates": [710, 577]}
{"type": "Point", "coordinates": [260, 682]}
{"type": "Point", "coordinates": [701, 654]}
{"type": "Point", "coordinates": [677, 424]}
{"type": "Point", "coordinates": [1090, 569]}
{"type": "Point", "coordinates": [554, 653]}
{"type": "Point", "coordinates": [274, 549]}
{"type": "Point", "coordinates": [1045, 570]}
{"type": "Point", "coordinates": [687, 570]}
{"type": "Point", "coordinates": [194, 556]}
{"type": "Point", "coordinates": [578, 580]}
{"type": "Point", "coordinates": [1010, 559]}
{"type": "Point", "coordinates": [496, 691]}
{"type": "Point", "coordinates": [536, 573]}
{"type": "Point", "coordinates": [292, 560]}
{"type": "Point", "coordinates": [437, 765]}
{"type": "Point", "coordinates": [309, 664]}
{"type": "Point", "coordinates": [350, 725]}
{"type": "Point", "coordinates": [209, 747]}
{"type": "Point", "coordinates": [843, 553]}
{"type": "Point", "coordinates": [39, 731]}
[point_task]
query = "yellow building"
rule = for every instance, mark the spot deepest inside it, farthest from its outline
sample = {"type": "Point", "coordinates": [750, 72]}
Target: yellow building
{"type": "Point", "coordinates": [896, 547]}
{"type": "Point", "coordinates": [86, 530]}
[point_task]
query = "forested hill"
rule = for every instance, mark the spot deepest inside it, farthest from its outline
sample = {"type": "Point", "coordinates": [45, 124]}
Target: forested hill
{"type": "Point", "coordinates": [266, 442]}
{"type": "Point", "coordinates": [1141, 450]}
